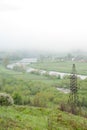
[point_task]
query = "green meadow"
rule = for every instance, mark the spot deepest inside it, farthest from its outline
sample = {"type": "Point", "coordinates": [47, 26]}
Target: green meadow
{"type": "Point", "coordinates": [61, 66]}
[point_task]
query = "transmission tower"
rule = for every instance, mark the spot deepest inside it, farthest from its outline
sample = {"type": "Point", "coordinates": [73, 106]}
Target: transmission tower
{"type": "Point", "coordinates": [73, 97]}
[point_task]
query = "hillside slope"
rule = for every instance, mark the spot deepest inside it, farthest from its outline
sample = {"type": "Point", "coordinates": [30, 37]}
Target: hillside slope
{"type": "Point", "coordinates": [32, 118]}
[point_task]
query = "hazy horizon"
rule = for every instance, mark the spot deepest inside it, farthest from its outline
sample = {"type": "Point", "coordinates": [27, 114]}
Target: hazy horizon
{"type": "Point", "coordinates": [48, 25]}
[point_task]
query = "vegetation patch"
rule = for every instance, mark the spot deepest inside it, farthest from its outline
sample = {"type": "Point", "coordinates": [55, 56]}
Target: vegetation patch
{"type": "Point", "coordinates": [6, 99]}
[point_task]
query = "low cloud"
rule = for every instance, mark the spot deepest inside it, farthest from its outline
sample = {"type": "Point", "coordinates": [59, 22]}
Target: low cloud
{"type": "Point", "coordinates": [8, 6]}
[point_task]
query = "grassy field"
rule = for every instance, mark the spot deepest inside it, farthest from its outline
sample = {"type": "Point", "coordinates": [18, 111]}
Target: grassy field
{"type": "Point", "coordinates": [32, 118]}
{"type": "Point", "coordinates": [64, 66]}
{"type": "Point", "coordinates": [23, 118]}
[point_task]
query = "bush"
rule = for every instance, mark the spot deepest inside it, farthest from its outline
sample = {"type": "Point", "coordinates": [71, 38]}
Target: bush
{"type": "Point", "coordinates": [39, 100]}
{"type": "Point", "coordinates": [5, 99]}
{"type": "Point", "coordinates": [17, 99]}
{"type": "Point", "coordinates": [71, 108]}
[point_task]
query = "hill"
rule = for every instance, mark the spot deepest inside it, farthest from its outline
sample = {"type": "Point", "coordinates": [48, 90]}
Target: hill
{"type": "Point", "coordinates": [36, 118]}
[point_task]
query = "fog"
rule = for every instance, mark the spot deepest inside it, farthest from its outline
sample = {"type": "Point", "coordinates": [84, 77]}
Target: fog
{"type": "Point", "coordinates": [51, 25]}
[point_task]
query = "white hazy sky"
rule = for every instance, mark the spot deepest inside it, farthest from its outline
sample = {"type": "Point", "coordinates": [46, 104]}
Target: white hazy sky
{"type": "Point", "coordinates": [56, 25]}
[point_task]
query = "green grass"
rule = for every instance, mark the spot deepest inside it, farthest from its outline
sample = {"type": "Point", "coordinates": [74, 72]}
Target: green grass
{"type": "Point", "coordinates": [32, 118]}
{"type": "Point", "coordinates": [61, 120]}
{"type": "Point", "coordinates": [23, 118]}
{"type": "Point", "coordinates": [65, 66]}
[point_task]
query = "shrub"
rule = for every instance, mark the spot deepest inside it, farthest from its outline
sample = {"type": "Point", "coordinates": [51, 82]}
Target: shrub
{"type": "Point", "coordinates": [71, 108]}
{"type": "Point", "coordinates": [39, 100]}
{"type": "Point", "coordinates": [5, 99]}
{"type": "Point", "coordinates": [17, 99]}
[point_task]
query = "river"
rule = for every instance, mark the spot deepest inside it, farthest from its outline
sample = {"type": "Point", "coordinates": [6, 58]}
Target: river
{"type": "Point", "coordinates": [53, 73]}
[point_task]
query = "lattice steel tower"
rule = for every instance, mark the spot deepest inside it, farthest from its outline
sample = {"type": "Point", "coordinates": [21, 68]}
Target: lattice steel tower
{"type": "Point", "coordinates": [73, 97]}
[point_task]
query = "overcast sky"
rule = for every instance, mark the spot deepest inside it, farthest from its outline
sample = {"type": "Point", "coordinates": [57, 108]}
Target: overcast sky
{"type": "Point", "coordinates": [56, 25]}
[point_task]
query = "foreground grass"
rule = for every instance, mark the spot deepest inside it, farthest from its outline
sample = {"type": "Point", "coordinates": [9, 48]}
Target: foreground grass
{"type": "Point", "coordinates": [32, 118]}
{"type": "Point", "coordinates": [23, 118]}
